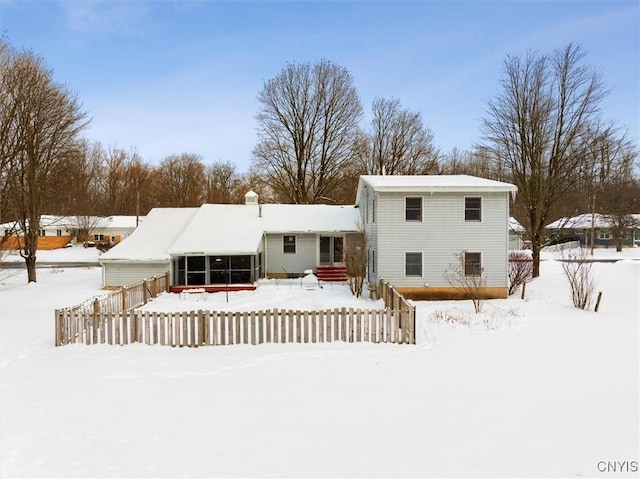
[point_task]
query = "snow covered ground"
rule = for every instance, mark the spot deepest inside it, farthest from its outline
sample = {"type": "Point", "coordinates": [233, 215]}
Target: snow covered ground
{"type": "Point", "coordinates": [531, 388]}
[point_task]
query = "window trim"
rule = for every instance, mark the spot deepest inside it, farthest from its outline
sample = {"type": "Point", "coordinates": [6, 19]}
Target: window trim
{"type": "Point", "coordinates": [464, 265]}
{"type": "Point", "coordinates": [421, 264]}
{"type": "Point", "coordinates": [465, 209]}
{"type": "Point", "coordinates": [421, 198]}
{"type": "Point", "coordinates": [284, 244]}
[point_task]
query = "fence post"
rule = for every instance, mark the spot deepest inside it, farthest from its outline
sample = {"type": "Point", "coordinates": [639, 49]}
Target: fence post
{"type": "Point", "coordinates": [58, 334]}
{"type": "Point", "coordinates": [145, 293]}
{"type": "Point", "coordinates": [123, 293]}
{"type": "Point", "coordinates": [598, 301]}
{"type": "Point", "coordinates": [166, 281]}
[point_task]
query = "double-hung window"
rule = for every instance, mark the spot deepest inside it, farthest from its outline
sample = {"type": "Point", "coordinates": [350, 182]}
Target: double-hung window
{"type": "Point", "coordinates": [413, 209]}
{"type": "Point", "coordinates": [473, 208]}
{"type": "Point", "coordinates": [472, 264]}
{"type": "Point", "coordinates": [413, 264]}
{"type": "Point", "coordinates": [289, 244]}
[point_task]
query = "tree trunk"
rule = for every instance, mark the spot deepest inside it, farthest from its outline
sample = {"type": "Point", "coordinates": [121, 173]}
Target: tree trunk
{"type": "Point", "coordinates": [30, 260]}
{"type": "Point", "coordinates": [535, 248]}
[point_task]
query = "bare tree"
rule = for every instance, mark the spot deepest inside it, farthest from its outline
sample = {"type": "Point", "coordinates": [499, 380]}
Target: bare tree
{"type": "Point", "coordinates": [399, 143]}
{"type": "Point", "coordinates": [468, 278]}
{"type": "Point", "coordinates": [534, 129]}
{"type": "Point", "coordinates": [224, 184]}
{"type": "Point", "coordinates": [306, 124]}
{"type": "Point", "coordinates": [45, 120]}
{"type": "Point", "coordinates": [356, 261]}
{"type": "Point", "coordinates": [180, 180]}
{"type": "Point", "coordinates": [622, 203]}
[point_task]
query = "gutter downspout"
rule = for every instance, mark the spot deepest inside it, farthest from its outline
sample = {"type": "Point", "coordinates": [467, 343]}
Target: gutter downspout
{"type": "Point", "coordinates": [264, 242]}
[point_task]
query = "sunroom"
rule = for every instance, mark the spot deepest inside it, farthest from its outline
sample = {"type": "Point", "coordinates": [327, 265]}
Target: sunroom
{"type": "Point", "coordinates": [215, 272]}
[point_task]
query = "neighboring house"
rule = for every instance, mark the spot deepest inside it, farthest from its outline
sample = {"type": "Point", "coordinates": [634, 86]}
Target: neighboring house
{"type": "Point", "coordinates": [113, 229]}
{"type": "Point", "coordinates": [54, 232]}
{"type": "Point", "coordinates": [416, 225]}
{"type": "Point", "coordinates": [596, 226]}
{"type": "Point", "coordinates": [516, 232]}
{"type": "Point", "coordinates": [217, 245]}
{"type": "Point", "coordinates": [58, 231]}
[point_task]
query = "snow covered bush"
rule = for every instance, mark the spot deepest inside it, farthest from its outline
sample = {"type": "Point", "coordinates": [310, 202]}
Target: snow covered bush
{"type": "Point", "coordinates": [578, 269]}
{"type": "Point", "coordinates": [520, 269]}
{"type": "Point", "coordinates": [468, 278]}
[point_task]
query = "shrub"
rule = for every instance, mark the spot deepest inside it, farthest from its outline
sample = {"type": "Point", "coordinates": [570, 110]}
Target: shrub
{"type": "Point", "coordinates": [578, 270]}
{"type": "Point", "coordinates": [520, 269]}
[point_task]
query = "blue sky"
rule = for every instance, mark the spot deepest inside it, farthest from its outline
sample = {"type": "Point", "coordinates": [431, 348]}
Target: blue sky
{"type": "Point", "coordinates": [169, 77]}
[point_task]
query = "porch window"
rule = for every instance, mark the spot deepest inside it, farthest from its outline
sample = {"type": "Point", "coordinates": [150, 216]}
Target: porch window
{"type": "Point", "coordinates": [473, 208]}
{"type": "Point", "coordinates": [289, 244]}
{"type": "Point", "coordinates": [413, 209]}
{"type": "Point", "coordinates": [196, 270]}
{"type": "Point", "coordinates": [472, 264]}
{"type": "Point", "coordinates": [604, 235]}
{"type": "Point", "coordinates": [413, 264]}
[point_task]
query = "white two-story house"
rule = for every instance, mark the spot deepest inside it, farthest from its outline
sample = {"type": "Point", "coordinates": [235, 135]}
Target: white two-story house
{"type": "Point", "coordinates": [418, 227]}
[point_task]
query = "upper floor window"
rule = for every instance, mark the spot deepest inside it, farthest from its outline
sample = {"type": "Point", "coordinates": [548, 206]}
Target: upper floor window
{"type": "Point", "coordinates": [59, 232]}
{"type": "Point", "coordinates": [472, 264]}
{"type": "Point", "coordinates": [413, 264]}
{"type": "Point", "coordinates": [413, 209]}
{"type": "Point", "coordinates": [374, 209]}
{"type": "Point", "coordinates": [473, 208]}
{"type": "Point", "coordinates": [42, 232]}
{"type": "Point", "coordinates": [289, 244]}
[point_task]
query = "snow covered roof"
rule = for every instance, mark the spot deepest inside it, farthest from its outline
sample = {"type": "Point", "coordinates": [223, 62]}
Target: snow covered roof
{"type": "Point", "coordinates": [121, 222]}
{"type": "Point", "coordinates": [238, 229]}
{"type": "Point", "coordinates": [584, 221]}
{"type": "Point", "coordinates": [431, 183]}
{"type": "Point", "coordinates": [225, 229]}
{"type": "Point", "coordinates": [46, 221]}
{"type": "Point", "coordinates": [515, 226]}
{"type": "Point", "coordinates": [150, 241]}
{"type": "Point", "coordinates": [55, 221]}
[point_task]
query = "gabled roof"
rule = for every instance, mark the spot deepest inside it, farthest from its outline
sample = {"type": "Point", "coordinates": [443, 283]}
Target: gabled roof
{"type": "Point", "coordinates": [585, 221]}
{"type": "Point", "coordinates": [71, 222]}
{"type": "Point", "coordinates": [515, 226]}
{"type": "Point", "coordinates": [432, 183]}
{"type": "Point", "coordinates": [150, 241]}
{"type": "Point", "coordinates": [214, 229]}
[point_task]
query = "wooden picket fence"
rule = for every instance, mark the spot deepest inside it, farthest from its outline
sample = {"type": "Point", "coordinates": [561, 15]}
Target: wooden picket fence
{"type": "Point", "coordinates": [213, 328]}
{"type": "Point", "coordinates": [122, 299]}
{"type": "Point", "coordinates": [394, 300]}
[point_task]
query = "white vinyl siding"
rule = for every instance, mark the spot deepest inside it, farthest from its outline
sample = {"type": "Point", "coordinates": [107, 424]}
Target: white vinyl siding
{"type": "Point", "coordinates": [126, 274]}
{"type": "Point", "coordinates": [443, 234]}
{"type": "Point", "coordinates": [278, 262]}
